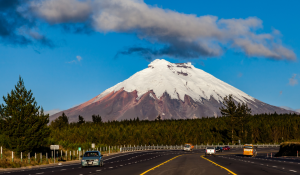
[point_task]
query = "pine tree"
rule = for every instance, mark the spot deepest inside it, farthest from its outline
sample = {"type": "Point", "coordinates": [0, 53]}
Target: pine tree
{"type": "Point", "coordinates": [60, 122]}
{"type": "Point", "coordinates": [244, 114]}
{"type": "Point", "coordinates": [22, 121]}
{"type": "Point", "coordinates": [96, 118]}
{"type": "Point", "coordinates": [230, 110]}
{"type": "Point", "coordinates": [80, 120]}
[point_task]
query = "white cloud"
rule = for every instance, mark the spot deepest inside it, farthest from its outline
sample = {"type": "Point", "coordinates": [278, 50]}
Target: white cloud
{"type": "Point", "coordinates": [78, 58]}
{"type": "Point", "coordinates": [53, 111]}
{"type": "Point", "coordinates": [184, 35]}
{"type": "Point", "coordinates": [293, 80]}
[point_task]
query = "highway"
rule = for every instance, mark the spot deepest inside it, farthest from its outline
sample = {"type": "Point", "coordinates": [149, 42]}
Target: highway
{"type": "Point", "coordinates": [171, 162]}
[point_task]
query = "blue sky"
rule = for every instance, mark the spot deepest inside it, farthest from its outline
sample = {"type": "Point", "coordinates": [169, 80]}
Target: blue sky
{"type": "Point", "coordinates": [64, 68]}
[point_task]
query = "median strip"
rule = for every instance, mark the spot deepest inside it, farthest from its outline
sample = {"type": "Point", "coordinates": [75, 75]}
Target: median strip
{"type": "Point", "coordinates": [219, 165]}
{"type": "Point", "coordinates": [159, 165]}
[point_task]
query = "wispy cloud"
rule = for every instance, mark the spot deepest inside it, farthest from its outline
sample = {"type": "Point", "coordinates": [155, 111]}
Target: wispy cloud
{"type": "Point", "coordinates": [78, 59]}
{"type": "Point", "coordinates": [183, 35]}
{"type": "Point", "coordinates": [291, 109]}
{"type": "Point", "coordinates": [293, 80]}
{"type": "Point", "coordinates": [53, 111]}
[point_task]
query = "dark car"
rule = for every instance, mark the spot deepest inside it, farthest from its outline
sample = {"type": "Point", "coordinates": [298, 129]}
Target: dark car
{"type": "Point", "coordinates": [92, 158]}
{"type": "Point", "coordinates": [219, 149]}
{"type": "Point", "coordinates": [227, 148]}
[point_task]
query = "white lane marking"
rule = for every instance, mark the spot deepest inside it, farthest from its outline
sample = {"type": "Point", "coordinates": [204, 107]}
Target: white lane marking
{"type": "Point", "coordinates": [111, 167]}
{"type": "Point", "coordinates": [98, 170]}
{"type": "Point", "coordinates": [293, 171]}
{"type": "Point", "coordinates": [63, 169]}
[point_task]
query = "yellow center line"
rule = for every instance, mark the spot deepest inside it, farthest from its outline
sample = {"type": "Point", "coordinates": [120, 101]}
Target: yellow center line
{"type": "Point", "coordinates": [159, 165]}
{"type": "Point", "coordinates": [219, 166]}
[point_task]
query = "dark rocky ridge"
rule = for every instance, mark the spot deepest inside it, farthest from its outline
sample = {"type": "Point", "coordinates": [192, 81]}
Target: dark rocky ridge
{"type": "Point", "coordinates": [124, 105]}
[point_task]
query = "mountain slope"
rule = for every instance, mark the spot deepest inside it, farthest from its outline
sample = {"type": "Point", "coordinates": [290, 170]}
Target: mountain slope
{"type": "Point", "coordinates": [171, 90]}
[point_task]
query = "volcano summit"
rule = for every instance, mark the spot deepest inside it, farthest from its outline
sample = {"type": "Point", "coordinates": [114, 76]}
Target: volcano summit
{"type": "Point", "coordinates": [171, 90]}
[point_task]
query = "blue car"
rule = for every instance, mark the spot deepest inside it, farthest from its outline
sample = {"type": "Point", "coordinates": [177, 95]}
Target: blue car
{"type": "Point", "coordinates": [92, 158]}
{"type": "Point", "coordinates": [219, 149]}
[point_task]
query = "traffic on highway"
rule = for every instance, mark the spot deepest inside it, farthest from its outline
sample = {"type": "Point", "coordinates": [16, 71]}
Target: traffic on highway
{"type": "Point", "coordinates": [159, 162]}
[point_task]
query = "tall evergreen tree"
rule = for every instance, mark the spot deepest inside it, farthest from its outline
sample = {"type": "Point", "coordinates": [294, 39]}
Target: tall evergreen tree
{"type": "Point", "coordinates": [22, 121]}
{"type": "Point", "coordinates": [243, 118]}
{"type": "Point", "coordinates": [230, 110]}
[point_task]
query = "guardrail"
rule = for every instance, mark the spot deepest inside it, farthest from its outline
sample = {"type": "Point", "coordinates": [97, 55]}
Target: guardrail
{"type": "Point", "coordinates": [67, 155]}
{"type": "Point", "coordinates": [178, 147]}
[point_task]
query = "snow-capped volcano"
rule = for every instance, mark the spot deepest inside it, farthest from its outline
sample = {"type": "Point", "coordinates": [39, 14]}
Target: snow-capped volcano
{"type": "Point", "coordinates": [172, 90]}
{"type": "Point", "coordinates": [177, 80]}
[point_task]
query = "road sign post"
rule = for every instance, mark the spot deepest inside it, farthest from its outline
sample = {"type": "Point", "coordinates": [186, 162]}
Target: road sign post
{"type": "Point", "coordinates": [79, 149]}
{"type": "Point", "coordinates": [54, 147]}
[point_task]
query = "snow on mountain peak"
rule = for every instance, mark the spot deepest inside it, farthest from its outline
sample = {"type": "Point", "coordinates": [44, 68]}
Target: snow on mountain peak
{"type": "Point", "coordinates": [178, 80]}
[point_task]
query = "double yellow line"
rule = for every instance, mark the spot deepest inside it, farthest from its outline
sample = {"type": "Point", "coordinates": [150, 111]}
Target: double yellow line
{"type": "Point", "coordinates": [219, 165]}
{"type": "Point", "coordinates": [181, 155]}
{"type": "Point", "coordinates": [159, 165]}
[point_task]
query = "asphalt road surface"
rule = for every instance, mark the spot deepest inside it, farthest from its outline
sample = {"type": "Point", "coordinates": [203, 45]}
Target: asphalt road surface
{"type": "Point", "coordinates": [174, 162]}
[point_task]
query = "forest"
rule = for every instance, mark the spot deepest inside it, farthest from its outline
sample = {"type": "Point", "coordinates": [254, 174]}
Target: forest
{"type": "Point", "coordinates": [262, 128]}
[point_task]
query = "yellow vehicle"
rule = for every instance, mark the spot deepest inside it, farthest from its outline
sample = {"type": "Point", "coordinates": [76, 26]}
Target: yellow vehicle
{"type": "Point", "coordinates": [250, 150]}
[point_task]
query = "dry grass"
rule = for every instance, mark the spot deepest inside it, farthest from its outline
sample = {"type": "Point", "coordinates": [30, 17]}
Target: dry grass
{"type": "Point", "coordinates": [7, 162]}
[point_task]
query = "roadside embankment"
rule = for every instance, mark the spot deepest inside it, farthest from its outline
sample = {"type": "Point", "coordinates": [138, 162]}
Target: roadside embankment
{"type": "Point", "coordinates": [288, 149]}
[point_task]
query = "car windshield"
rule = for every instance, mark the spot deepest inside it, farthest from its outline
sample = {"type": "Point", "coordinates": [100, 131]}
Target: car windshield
{"type": "Point", "coordinates": [187, 146]}
{"type": "Point", "coordinates": [210, 148]}
{"type": "Point", "coordinates": [248, 147]}
{"type": "Point", "coordinates": [91, 154]}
